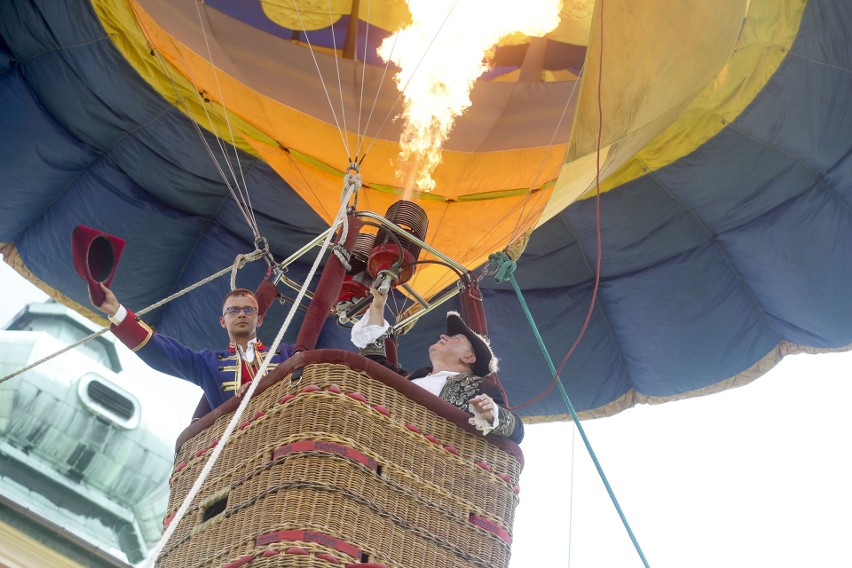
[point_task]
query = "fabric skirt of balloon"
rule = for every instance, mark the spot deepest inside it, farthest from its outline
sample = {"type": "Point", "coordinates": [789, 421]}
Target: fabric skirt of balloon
{"type": "Point", "coordinates": [340, 461]}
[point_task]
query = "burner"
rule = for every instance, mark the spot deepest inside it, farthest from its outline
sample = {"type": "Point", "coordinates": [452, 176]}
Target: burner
{"type": "Point", "coordinates": [394, 254]}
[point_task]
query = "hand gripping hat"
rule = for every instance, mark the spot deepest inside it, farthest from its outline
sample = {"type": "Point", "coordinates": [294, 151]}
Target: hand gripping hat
{"type": "Point", "coordinates": [486, 361]}
{"type": "Point", "coordinates": [95, 256]}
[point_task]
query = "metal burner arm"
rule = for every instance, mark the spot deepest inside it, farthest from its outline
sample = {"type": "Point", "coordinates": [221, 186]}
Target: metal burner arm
{"type": "Point", "coordinates": [408, 236]}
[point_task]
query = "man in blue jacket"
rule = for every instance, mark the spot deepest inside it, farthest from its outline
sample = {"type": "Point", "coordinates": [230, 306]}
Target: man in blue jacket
{"type": "Point", "coordinates": [220, 374]}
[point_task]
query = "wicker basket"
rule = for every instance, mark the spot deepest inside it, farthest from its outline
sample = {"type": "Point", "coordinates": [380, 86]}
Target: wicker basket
{"type": "Point", "coordinates": [333, 467]}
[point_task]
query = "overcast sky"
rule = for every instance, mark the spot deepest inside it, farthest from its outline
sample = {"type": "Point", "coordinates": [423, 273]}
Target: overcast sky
{"type": "Point", "coordinates": [752, 477]}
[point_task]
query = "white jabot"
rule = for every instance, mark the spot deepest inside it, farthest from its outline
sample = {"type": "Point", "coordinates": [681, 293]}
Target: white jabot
{"type": "Point", "coordinates": [249, 353]}
{"type": "Point", "coordinates": [435, 382]}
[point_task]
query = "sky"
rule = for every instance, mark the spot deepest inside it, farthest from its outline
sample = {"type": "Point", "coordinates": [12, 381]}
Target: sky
{"type": "Point", "coordinates": [750, 477]}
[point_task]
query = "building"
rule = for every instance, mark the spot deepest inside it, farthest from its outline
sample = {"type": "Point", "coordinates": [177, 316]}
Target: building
{"type": "Point", "coordinates": [83, 475]}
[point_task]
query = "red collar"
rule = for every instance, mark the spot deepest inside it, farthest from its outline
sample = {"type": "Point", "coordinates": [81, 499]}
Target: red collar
{"type": "Point", "coordinates": [258, 346]}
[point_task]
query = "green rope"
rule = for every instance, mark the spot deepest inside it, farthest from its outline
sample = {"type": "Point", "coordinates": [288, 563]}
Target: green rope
{"type": "Point", "coordinates": [505, 267]}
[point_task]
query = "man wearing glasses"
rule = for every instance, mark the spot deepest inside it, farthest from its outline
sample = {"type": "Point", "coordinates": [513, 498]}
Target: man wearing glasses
{"type": "Point", "coordinates": [220, 374]}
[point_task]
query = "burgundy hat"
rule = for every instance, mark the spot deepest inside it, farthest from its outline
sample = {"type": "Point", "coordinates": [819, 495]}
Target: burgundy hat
{"type": "Point", "coordinates": [95, 256]}
{"type": "Point", "coordinates": [486, 361]}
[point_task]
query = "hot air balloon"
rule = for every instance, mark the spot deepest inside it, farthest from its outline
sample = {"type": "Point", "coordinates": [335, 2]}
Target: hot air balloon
{"type": "Point", "coordinates": [719, 135]}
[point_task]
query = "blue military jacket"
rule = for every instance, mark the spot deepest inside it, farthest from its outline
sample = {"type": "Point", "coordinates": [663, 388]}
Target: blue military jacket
{"type": "Point", "coordinates": [219, 373]}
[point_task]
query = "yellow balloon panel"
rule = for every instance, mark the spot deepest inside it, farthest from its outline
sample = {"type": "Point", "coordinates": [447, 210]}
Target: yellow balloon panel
{"type": "Point", "coordinates": [466, 231]}
{"type": "Point", "coordinates": [650, 57]}
{"type": "Point", "coordinates": [310, 15]}
{"type": "Point", "coordinates": [647, 61]}
{"type": "Point", "coordinates": [306, 14]}
{"type": "Point", "coordinates": [502, 143]}
{"type": "Point", "coordinates": [769, 29]}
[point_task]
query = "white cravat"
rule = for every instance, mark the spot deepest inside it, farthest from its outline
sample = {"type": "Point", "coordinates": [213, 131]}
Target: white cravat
{"type": "Point", "coordinates": [434, 382]}
{"type": "Point", "coordinates": [248, 354]}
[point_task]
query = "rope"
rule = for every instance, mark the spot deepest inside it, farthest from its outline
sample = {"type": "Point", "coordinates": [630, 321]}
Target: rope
{"type": "Point", "coordinates": [503, 265]}
{"type": "Point", "coordinates": [351, 186]}
{"type": "Point", "coordinates": [241, 260]}
{"type": "Point", "coordinates": [322, 80]}
{"type": "Point", "coordinates": [52, 355]}
{"type": "Point", "coordinates": [235, 420]}
{"type": "Point", "coordinates": [245, 196]}
{"type": "Point", "coordinates": [505, 271]}
{"type": "Point", "coordinates": [243, 203]}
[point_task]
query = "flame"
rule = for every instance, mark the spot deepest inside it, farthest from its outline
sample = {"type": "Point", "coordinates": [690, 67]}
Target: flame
{"type": "Point", "coordinates": [440, 56]}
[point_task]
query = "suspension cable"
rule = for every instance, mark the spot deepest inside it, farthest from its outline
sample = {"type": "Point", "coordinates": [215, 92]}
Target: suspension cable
{"type": "Point", "coordinates": [345, 133]}
{"type": "Point", "coordinates": [322, 80]}
{"type": "Point", "coordinates": [235, 420]}
{"type": "Point", "coordinates": [239, 262]}
{"type": "Point", "coordinates": [521, 219]}
{"type": "Point", "coordinates": [243, 189]}
{"type": "Point", "coordinates": [244, 209]}
{"type": "Point", "coordinates": [359, 137]}
{"type": "Point", "coordinates": [413, 73]}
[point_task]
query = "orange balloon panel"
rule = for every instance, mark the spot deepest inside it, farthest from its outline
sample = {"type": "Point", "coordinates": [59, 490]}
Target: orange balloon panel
{"type": "Point", "coordinates": [466, 231]}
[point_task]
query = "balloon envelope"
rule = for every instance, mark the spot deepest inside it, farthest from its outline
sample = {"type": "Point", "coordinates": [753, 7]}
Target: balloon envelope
{"type": "Point", "coordinates": [724, 220]}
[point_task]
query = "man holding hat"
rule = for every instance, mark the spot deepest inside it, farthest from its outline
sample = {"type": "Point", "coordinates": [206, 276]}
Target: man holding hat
{"type": "Point", "coordinates": [220, 374]}
{"type": "Point", "coordinates": [460, 359]}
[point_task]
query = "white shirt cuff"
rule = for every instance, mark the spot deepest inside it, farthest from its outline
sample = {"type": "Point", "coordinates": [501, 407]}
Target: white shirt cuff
{"type": "Point", "coordinates": [118, 316]}
{"type": "Point", "coordinates": [364, 334]}
{"type": "Point", "coordinates": [482, 424]}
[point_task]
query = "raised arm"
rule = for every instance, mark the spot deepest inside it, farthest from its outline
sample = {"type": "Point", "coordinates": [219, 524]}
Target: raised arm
{"type": "Point", "coordinates": [376, 314]}
{"type": "Point", "coordinates": [372, 325]}
{"type": "Point", "coordinates": [160, 352]}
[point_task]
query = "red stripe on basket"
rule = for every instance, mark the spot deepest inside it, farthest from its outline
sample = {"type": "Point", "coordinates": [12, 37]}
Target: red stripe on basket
{"type": "Point", "coordinates": [309, 536]}
{"type": "Point", "coordinates": [330, 447]}
{"type": "Point", "coordinates": [491, 527]}
{"type": "Point", "coordinates": [327, 558]}
{"type": "Point", "coordinates": [241, 561]}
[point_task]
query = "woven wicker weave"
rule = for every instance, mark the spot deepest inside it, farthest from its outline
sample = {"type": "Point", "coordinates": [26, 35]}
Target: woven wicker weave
{"type": "Point", "coordinates": [371, 475]}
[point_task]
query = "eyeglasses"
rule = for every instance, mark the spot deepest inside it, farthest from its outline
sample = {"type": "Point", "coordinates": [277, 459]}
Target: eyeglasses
{"type": "Point", "coordinates": [235, 311]}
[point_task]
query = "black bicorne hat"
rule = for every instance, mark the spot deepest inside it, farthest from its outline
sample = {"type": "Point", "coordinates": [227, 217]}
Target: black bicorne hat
{"type": "Point", "coordinates": [486, 361]}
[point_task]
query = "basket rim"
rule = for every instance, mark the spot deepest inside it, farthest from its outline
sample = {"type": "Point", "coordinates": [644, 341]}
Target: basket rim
{"type": "Point", "coordinates": [354, 362]}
